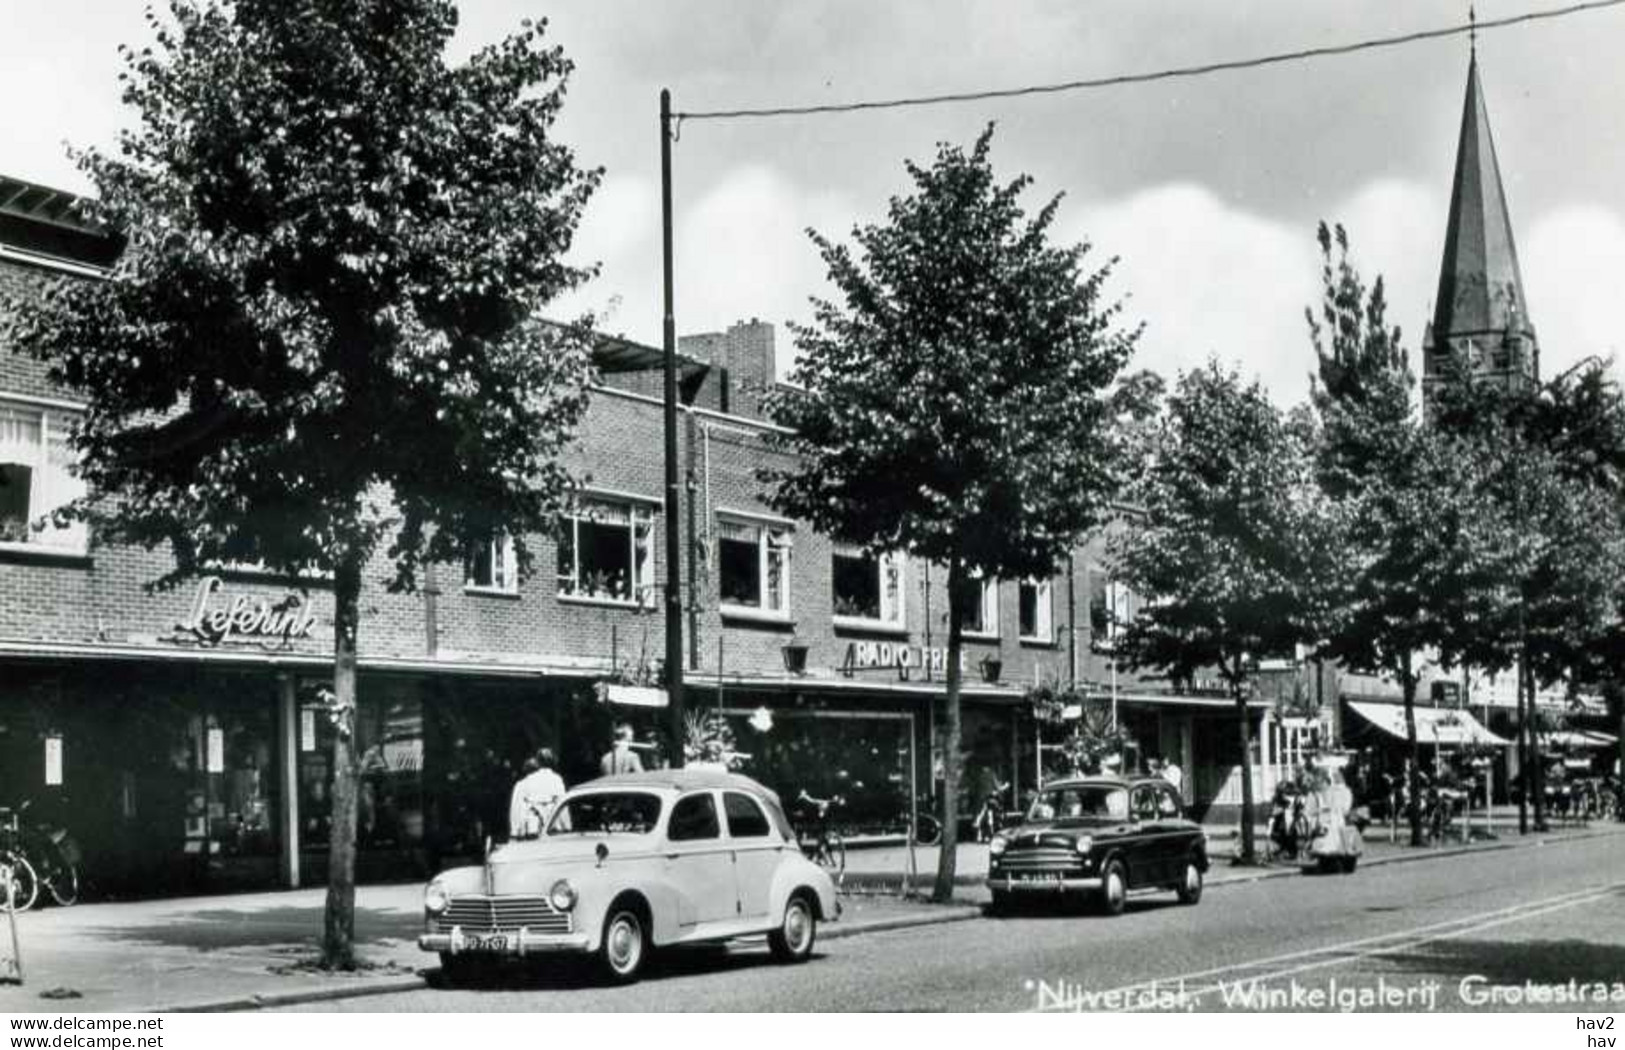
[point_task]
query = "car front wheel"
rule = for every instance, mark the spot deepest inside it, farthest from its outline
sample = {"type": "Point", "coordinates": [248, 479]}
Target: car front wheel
{"type": "Point", "coordinates": [1190, 887]}
{"type": "Point", "coordinates": [1114, 889]}
{"type": "Point", "coordinates": [626, 945]}
{"type": "Point", "coordinates": [792, 942]}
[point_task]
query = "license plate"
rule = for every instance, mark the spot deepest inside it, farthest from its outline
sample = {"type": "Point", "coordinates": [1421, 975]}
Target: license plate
{"type": "Point", "coordinates": [1038, 876]}
{"type": "Point", "coordinates": [485, 942]}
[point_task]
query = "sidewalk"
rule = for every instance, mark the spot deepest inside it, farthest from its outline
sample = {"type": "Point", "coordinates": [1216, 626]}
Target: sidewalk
{"type": "Point", "coordinates": [245, 951]}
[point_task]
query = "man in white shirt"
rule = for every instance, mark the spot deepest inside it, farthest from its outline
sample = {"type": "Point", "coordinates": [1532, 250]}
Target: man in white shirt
{"type": "Point", "coordinates": [534, 796]}
{"type": "Point", "coordinates": [1174, 775]}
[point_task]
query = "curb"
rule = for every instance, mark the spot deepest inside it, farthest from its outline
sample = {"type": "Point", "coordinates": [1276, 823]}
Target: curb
{"type": "Point", "coordinates": [1421, 855]}
{"type": "Point", "coordinates": [387, 986]}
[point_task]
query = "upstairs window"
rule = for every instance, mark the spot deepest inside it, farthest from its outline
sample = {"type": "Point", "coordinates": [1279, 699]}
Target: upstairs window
{"type": "Point", "coordinates": [1035, 611]}
{"type": "Point", "coordinates": [982, 618]}
{"type": "Point", "coordinates": [606, 553]}
{"type": "Point", "coordinates": [492, 566]}
{"type": "Point", "coordinates": [753, 567]}
{"type": "Point", "coordinates": [867, 588]}
{"type": "Point", "coordinates": [1111, 607]}
{"type": "Point", "coordinates": [36, 478]}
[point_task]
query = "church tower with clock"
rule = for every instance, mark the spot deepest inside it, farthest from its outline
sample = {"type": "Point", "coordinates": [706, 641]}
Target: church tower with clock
{"type": "Point", "coordinates": [1480, 312]}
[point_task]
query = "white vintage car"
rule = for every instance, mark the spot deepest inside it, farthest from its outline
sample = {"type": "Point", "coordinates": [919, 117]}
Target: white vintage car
{"type": "Point", "coordinates": [631, 863]}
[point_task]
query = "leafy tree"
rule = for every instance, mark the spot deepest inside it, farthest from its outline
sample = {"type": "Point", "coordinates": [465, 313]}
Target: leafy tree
{"type": "Point", "coordinates": [319, 345]}
{"type": "Point", "coordinates": [952, 403]}
{"type": "Point", "coordinates": [1423, 550]}
{"type": "Point", "coordinates": [1554, 453]}
{"type": "Point", "coordinates": [1235, 545]}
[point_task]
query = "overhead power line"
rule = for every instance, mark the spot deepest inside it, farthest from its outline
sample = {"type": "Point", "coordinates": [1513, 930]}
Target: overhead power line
{"type": "Point", "coordinates": [1181, 72]}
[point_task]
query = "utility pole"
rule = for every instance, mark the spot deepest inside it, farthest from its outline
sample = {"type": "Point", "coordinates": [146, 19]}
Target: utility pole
{"type": "Point", "coordinates": [674, 539]}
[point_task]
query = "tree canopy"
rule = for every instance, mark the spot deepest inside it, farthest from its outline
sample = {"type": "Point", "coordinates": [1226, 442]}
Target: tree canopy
{"type": "Point", "coordinates": [322, 341]}
{"type": "Point", "coordinates": [955, 402]}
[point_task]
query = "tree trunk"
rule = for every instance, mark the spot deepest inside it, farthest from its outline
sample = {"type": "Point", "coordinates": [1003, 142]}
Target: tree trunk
{"type": "Point", "coordinates": [1523, 755]}
{"type": "Point", "coordinates": [1413, 777]}
{"type": "Point", "coordinates": [1249, 848]}
{"type": "Point", "coordinates": [1537, 762]}
{"type": "Point", "coordinates": [948, 855]}
{"type": "Point", "coordinates": [338, 932]}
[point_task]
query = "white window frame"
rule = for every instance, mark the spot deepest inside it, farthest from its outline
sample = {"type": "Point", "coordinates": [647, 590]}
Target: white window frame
{"type": "Point", "coordinates": [774, 539]}
{"type": "Point", "coordinates": [1045, 605]}
{"type": "Point", "coordinates": [1120, 602]}
{"type": "Point", "coordinates": [990, 611]}
{"type": "Point", "coordinates": [893, 607]}
{"type": "Point", "coordinates": [640, 516]}
{"type": "Point", "coordinates": [504, 566]}
{"type": "Point", "coordinates": [73, 541]}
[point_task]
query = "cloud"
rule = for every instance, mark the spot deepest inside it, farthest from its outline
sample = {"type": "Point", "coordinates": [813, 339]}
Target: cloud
{"type": "Point", "coordinates": [1573, 263]}
{"type": "Point", "coordinates": [1208, 280]}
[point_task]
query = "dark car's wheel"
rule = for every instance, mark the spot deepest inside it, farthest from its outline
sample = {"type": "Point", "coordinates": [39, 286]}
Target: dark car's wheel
{"type": "Point", "coordinates": [626, 944]}
{"type": "Point", "coordinates": [1190, 885]}
{"type": "Point", "coordinates": [792, 942]}
{"type": "Point", "coordinates": [1000, 904]}
{"type": "Point", "coordinates": [1114, 888]}
{"type": "Point", "coordinates": [1350, 863]}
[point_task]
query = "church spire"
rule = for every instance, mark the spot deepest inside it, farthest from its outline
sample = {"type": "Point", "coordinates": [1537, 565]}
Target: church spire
{"type": "Point", "coordinates": [1480, 310]}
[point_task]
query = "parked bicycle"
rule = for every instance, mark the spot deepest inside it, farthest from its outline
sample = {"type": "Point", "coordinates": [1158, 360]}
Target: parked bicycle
{"type": "Point", "coordinates": [33, 857]}
{"type": "Point", "coordinates": [819, 840]}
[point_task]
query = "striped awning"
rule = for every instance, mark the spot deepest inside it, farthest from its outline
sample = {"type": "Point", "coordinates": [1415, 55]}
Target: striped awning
{"type": "Point", "coordinates": [1443, 727]}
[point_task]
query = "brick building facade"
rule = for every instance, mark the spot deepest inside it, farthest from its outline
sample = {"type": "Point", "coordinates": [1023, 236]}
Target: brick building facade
{"type": "Point", "coordinates": [191, 753]}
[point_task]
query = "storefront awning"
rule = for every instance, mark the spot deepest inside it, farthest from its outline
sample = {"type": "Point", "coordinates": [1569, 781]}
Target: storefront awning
{"type": "Point", "coordinates": [1576, 739]}
{"type": "Point", "coordinates": [1443, 727]}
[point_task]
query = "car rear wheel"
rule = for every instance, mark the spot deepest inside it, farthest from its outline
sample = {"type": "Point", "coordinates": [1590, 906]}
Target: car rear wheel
{"type": "Point", "coordinates": [1114, 889]}
{"type": "Point", "coordinates": [626, 944]}
{"type": "Point", "coordinates": [1190, 886]}
{"type": "Point", "coordinates": [792, 942]}
{"type": "Point", "coordinates": [1350, 863]}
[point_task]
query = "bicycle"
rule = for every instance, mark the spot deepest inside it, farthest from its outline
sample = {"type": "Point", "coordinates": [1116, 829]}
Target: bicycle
{"type": "Point", "coordinates": [19, 885]}
{"type": "Point", "coordinates": [820, 842]}
{"type": "Point", "coordinates": [56, 858]}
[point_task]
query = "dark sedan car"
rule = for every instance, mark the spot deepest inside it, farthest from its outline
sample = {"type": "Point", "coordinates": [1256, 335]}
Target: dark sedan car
{"type": "Point", "coordinates": [1102, 836]}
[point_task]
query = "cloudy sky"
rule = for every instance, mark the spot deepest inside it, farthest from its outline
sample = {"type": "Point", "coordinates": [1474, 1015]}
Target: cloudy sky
{"type": "Point", "coordinates": [1208, 190]}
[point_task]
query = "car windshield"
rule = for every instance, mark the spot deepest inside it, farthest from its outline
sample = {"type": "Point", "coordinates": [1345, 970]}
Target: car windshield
{"type": "Point", "coordinates": [1087, 800]}
{"type": "Point", "coordinates": [607, 812]}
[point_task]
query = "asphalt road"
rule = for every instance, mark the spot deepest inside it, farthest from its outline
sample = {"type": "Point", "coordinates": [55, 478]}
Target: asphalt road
{"type": "Point", "coordinates": [1493, 930]}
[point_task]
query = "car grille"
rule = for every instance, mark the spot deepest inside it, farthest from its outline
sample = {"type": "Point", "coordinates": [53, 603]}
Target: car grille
{"type": "Point", "coordinates": [481, 914]}
{"type": "Point", "coordinates": [1041, 860]}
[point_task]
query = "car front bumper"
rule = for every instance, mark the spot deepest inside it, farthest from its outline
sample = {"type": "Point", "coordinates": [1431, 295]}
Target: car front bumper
{"type": "Point", "coordinates": [517, 942]}
{"type": "Point", "coordinates": [1065, 884]}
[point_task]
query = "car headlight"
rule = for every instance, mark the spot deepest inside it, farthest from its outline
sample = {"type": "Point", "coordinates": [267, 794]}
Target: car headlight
{"type": "Point", "coordinates": [997, 846]}
{"type": "Point", "coordinates": [563, 895]}
{"type": "Point", "coordinates": [1084, 844]}
{"type": "Point", "coordinates": [435, 898]}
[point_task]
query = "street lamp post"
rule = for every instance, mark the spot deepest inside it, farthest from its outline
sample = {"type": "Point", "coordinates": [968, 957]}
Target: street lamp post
{"type": "Point", "coordinates": [674, 569]}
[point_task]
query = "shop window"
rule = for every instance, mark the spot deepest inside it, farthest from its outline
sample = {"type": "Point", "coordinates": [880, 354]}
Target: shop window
{"type": "Point", "coordinates": [753, 567]}
{"type": "Point", "coordinates": [1111, 607]}
{"type": "Point", "coordinates": [493, 566]}
{"type": "Point", "coordinates": [1035, 611]}
{"type": "Point", "coordinates": [867, 588]}
{"type": "Point", "coordinates": [606, 553]}
{"type": "Point", "coordinates": [982, 618]}
{"type": "Point", "coordinates": [36, 478]}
